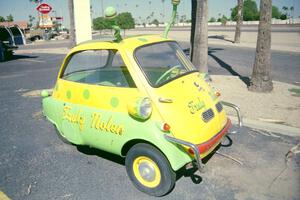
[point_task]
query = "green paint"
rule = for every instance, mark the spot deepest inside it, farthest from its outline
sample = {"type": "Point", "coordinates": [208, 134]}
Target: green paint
{"type": "Point", "coordinates": [110, 12]}
{"type": "Point", "coordinates": [114, 102]}
{"type": "Point", "coordinates": [149, 131]}
{"type": "Point", "coordinates": [143, 39]}
{"type": "Point", "coordinates": [69, 94]}
{"type": "Point", "coordinates": [86, 94]}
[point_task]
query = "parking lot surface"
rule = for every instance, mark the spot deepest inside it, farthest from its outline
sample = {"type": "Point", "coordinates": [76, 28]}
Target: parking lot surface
{"type": "Point", "coordinates": [35, 164]}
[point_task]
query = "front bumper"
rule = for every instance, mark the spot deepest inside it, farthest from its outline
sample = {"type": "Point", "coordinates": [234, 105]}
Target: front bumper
{"type": "Point", "coordinates": [197, 149]}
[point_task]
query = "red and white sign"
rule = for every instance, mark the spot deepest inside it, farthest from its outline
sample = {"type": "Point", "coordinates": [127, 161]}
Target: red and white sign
{"type": "Point", "coordinates": [44, 8]}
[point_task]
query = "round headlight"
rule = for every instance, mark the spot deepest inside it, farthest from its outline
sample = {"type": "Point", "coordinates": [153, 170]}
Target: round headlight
{"type": "Point", "coordinates": [145, 108]}
{"type": "Point", "coordinates": [140, 108]}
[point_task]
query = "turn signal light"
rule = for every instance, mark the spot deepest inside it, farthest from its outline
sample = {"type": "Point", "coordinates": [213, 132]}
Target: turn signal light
{"type": "Point", "coordinates": [191, 151]}
{"type": "Point", "coordinates": [166, 127]}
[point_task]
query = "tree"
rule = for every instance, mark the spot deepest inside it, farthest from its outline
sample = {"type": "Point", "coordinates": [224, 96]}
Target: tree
{"type": "Point", "coordinates": [155, 22]}
{"type": "Point", "coordinates": [164, 11]}
{"type": "Point", "coordinates": [212, 19]}
{"type": "Point", "coordinates": [31, 19]}
{"type": "Point", "coordinates": [239, 22]}
{"type": "Point", "coordinates": [10, 18]}
{"type": "Point", "coordinates": [2, 19]}
{"type": "Point", "coordinates": [261, 80]}
{"type": "Point", "coordinates": [199, 35]}
{"type": "Point", "coordinates": [101, 23]}
{"type": "Point", "coordinates": [72, 23]}
{"type": "Point", "coordinates": [276, 13]}
{"type": "Point", "coordinates": [250, 11]}
{"type": "Point", "coordinates": [223, 20]}
{"type": "Point", "coordinates": [125, 21]}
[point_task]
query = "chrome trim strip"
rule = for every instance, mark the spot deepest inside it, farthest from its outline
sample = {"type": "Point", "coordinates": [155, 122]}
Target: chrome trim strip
{"type": "Point", "coordinates": [237, 109]}
{"type": "Point", "coordinates": [165, 100]}
{"type": "Point", "coordinates": [194, 147]}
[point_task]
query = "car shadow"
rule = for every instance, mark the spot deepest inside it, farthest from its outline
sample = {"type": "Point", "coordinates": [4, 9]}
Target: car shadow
{"type": "Point", "coordinates": [16, 57]}
{"type": "Point", "coordinates": [191, 171]}
{"type": "Point", "coordinates": [222, 64]}
{"type": "Point", "coordinates": [103, 154]}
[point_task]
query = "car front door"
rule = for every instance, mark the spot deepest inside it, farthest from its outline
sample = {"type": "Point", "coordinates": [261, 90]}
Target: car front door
{"type": "Point", "coordinates": [95, 86]}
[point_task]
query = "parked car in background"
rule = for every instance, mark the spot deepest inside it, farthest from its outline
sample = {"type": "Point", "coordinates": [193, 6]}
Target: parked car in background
{"type": "Point", "coordinates": [10, 37]}
{"type": "Point", "coordinates": [7, 44]}
{"type": "Point", "coordinates": [18, 35]}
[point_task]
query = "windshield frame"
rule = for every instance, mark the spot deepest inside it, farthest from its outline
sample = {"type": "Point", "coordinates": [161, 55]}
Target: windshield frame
{"type": "Point", "coordinates": [187, 65]}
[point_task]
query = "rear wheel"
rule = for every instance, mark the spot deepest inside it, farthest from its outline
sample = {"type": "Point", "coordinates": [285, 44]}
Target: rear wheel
{"type": "Point", "coordinates": [149, 170]}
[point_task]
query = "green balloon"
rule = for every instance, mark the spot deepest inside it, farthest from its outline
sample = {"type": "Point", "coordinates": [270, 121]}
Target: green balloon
{"type": "Point", "coordinates": [44, 93]}
{"type": "Point", "coordinates": [175, 2]}
{"type": "Point", "coordinates": [110, 12]}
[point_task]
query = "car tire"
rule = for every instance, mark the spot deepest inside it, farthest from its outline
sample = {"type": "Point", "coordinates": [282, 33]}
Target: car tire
{"type": "Point", "coordinates": [149, 170]}
{"type": "Point", "coordinates": [2, 57]}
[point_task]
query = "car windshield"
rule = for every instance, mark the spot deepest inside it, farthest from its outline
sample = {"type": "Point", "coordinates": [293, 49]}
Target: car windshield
{"type": "Point", "coordinates": [163, 62]}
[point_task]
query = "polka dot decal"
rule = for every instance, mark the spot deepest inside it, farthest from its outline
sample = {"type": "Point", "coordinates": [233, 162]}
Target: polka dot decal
{"type": "Point", "coordinates": [114, 102]}
{"type": "Point", "coordinates": [86, 94]}
{"type": "Point", "coordinates": [69, 94]}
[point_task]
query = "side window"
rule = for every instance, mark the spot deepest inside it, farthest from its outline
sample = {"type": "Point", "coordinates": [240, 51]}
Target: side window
{"type": "Point", "coordinates": [100, 67]}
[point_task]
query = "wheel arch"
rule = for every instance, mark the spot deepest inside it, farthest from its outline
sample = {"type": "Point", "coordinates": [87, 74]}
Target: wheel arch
{"type": "Point", "coordinates": [175, 155]}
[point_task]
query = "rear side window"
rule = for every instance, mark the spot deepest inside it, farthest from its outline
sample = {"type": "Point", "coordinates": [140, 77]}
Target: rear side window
{"type": "Point", "coordinates": [4, 34]}
{"type": "Point", "coordinates": [99, 67]}
{"type": "Point", "coordinates": [15, 31]}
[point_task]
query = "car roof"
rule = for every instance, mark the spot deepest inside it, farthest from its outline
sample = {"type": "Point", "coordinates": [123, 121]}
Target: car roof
{"type": "Point", "coordinates": [129, 43]}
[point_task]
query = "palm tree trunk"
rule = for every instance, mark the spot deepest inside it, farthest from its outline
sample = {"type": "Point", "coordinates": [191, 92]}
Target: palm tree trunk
{"type": "Point", "coordinates": [72, 23]}
{"type": "Point", "coordinates": [261, 80]}
{"type": "Point", "coordinates": [200, 42]}
{"type": "Point", "coordinates": [193, 18]}
{"type": "Point", "coordinates": [239, 22]}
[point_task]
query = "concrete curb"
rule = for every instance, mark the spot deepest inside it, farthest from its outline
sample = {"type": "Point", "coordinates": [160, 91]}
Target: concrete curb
{"type": "Point", "coordinates": [271, 127]}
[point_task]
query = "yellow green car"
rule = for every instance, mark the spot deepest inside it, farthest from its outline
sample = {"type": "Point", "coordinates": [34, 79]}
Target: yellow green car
{"type": "Point", "coordinates": [140, 98]}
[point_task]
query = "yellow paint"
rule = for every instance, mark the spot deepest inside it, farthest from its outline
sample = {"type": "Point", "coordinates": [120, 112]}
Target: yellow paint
{"type": "Point", "coordinates": [108, 126]}
{"type": "Point", "coordinates": [76, 118]}
{"type": "Point", "coordinates": [136, 172]}
{"type": "Point", "coordinates": [3, 196]}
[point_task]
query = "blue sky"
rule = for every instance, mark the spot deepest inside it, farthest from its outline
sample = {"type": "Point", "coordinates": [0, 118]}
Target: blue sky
{"type": "Point", "coordinates": [20, 9]}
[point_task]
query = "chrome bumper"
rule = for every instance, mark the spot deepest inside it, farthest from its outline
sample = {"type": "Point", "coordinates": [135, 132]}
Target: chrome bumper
{"type": "Point", "coordinates": [194, 147]}
{"type": "Point", "coordinates": [237, 109]}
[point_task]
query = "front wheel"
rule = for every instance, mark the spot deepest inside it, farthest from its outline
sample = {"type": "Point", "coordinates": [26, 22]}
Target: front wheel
{"type": "Point", "coordinates": [149, 170]}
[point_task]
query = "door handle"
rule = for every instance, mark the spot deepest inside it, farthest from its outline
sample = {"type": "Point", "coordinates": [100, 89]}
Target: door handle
{"type": "Point", "coordinates": [165, 100]}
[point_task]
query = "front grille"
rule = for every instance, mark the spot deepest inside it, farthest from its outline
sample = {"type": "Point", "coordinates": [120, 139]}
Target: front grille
{"type": "Point", "coordinates": [219, 107]}
{"type": "Point", "coordinates": [208, 115]}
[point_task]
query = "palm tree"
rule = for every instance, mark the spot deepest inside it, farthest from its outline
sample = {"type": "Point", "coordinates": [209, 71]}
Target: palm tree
{"type": "Point", "coordinates": [261, 80]}
{"type": "Point", "coordinates": [292, 13]}
{"type": "Point", "coordinates": [163, 3]}
{"type": "Point", "coordinates": [239, 22]}
{"type": "Point", "coordinates": [72, 23]}
{"type": "Point", "coordinates": [199, 46]}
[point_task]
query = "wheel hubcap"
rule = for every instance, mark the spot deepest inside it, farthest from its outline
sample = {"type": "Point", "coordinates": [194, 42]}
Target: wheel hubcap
{"type": "Point", "coordinates": [147, 171]}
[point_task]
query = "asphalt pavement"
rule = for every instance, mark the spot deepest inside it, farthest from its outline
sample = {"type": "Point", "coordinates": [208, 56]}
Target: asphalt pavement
{"type": "Point", "coordinates": [35, 164]}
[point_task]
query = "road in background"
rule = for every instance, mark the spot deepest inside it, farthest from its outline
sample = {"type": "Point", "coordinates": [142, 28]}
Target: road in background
{"type": "Point", "coordinates": [224, 60]}
{"type": "Point", "coordinates": [244, 28]}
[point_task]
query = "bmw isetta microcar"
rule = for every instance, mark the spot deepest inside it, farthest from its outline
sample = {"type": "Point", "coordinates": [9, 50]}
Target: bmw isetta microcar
{"type": "Point", "coordinates": [140, 98]}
